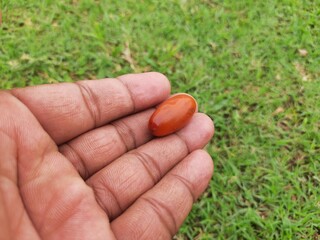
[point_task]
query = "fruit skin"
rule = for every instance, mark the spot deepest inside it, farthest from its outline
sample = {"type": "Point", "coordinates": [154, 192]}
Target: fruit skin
{"type": "Point", "coordinates": [172, 115]}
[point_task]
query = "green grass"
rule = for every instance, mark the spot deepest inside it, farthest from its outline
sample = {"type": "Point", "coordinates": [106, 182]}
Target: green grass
{"type": "Point", "coordinates": [240, 59]}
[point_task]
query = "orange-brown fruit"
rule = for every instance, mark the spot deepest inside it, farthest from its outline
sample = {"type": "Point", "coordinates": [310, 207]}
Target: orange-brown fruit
{"type": "Point", "coordinates": [172, 115]}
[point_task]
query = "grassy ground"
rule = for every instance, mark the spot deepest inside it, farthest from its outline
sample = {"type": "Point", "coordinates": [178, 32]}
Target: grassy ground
{"type": "Point", "coordinates": [252, 65]}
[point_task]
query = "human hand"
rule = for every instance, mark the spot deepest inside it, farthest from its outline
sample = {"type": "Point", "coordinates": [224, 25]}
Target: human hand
{"type": "Point", "coordinates": [78, 162]}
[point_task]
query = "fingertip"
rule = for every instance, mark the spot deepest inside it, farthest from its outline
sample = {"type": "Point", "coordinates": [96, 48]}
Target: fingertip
{"type": "Point", "coordinates": [147, 89]}
{"type": "Point", "coordinates": [196, 169]}
{"type": "Point", "coordinates": [162, 78]}
{"type": "Point", "coordinates": [198, 132]}
{"type": "Point", "coordinates": [208, 125]}
{"type": "Point", "coordinates": [207, 162]}
{"type": "Point", "coordinates": [202, 160]}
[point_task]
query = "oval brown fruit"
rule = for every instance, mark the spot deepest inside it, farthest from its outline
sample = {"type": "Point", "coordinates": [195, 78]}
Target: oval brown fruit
{"type": "Point", "coordinates": [172, 115]}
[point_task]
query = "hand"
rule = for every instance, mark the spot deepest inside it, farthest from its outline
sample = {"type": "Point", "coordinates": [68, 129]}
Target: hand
{"type": "Point", "coordinates": [78, 162]}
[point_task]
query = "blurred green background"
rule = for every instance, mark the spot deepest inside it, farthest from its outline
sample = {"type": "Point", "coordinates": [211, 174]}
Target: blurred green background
{"type": "Point", "coordinates": [254, 67]}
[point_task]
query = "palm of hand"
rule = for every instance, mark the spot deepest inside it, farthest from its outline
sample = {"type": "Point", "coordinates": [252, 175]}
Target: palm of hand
{"type": "Point", "coordinates": [70, 170]}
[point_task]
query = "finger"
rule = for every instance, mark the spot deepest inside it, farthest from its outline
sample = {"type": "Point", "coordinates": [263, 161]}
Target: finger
{"type": "Point", "coordinates": [107, 143]}
{"type": "Point", "coordinates": [160, 212]}
{"type": "Point", "coordinates": [67, 110]}
{"type": "Point", "coordinates": [119, 184]}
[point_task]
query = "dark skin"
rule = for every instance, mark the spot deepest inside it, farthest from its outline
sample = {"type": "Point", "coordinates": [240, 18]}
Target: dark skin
{"type": "Point", "coordinates": [78, 162]}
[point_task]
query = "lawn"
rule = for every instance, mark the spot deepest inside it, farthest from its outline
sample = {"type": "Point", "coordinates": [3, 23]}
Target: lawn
{"type": "Point", "coordinates": [254, 67]}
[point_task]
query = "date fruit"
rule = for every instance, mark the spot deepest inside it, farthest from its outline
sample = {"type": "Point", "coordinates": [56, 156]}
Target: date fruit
{"type": "Point", "coordinates": [172, 115]}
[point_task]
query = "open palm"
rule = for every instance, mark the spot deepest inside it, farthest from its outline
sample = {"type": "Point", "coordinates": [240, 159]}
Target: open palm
{"type": "Point", "coordinates": [78, 162]}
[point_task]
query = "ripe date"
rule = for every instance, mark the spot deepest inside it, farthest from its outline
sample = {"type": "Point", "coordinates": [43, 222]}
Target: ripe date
{"type": "Point", "coordinates": [172, 115]}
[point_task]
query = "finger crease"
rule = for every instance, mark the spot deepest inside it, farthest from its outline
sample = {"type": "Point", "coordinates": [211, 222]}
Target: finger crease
{"type": "Point", "coordinates": [187, 184]}
{"type": "Point", "coordinates": [129, 93]}
{"type": "Point", "coordinates": [185, 143]}
{"type": "Point", "coordinates": [96, 192]}
{"type": "Point", "coordinates": [82, 166]}
{"type": "Point", "coordinates": [158, 208]}
{"type": "Point", "coordinates": [150, 164]}
{"type": "Point", "coordinates": [106, 189]}
{"type": "Point", "coordinates": [123, 137]}
{"type": "Point", "coordinates": [90, 101]}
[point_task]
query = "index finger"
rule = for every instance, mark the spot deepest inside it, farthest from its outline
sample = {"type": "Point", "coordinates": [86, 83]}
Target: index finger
{"type": "Point", "coordinates": [67, 110]}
